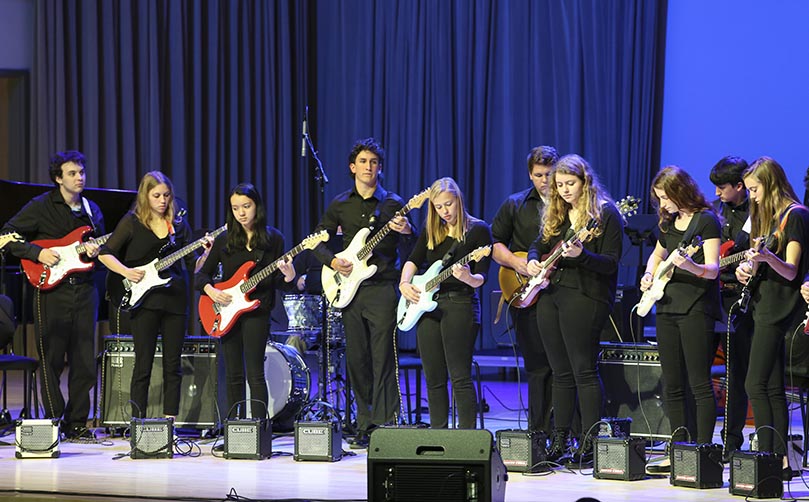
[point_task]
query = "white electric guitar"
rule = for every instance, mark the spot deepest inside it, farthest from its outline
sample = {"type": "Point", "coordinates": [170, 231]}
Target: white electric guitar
{"type": "Point", "coordinates": [9, 237]}
{"type": "Point", "coordinates": [135, 291]}
{"type": "Point", "coordinates": [662, 276]}
{"type": "Point", "coordinates": [340, 289]}
{"type": "Point", "coordinates": [428, 283]}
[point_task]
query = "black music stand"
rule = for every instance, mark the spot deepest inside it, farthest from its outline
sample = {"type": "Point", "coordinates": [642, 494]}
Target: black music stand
{"type": "Point", "coordinates": [640, 229]}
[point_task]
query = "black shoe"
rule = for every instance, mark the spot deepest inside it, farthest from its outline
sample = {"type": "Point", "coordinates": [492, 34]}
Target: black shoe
{"type": "Point", "coordinates": [360, 441]}
{"type": "Point", "coordinates": [559, 451]}
{"type": "Point", "coordinates": [219, 448]}
{"type": "Point", "coordinates": [663, 467]}
{"type": "Point", "coordinates": [583, 458]}
{"type": "Point", "coordinates": [786, 474]}
{"type": "Point", "coordinates": [727, 454]}
{"type": "Point", "coordinates": [80, 433]}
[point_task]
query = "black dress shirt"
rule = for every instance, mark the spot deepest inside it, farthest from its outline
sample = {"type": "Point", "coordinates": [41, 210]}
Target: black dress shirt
{"type": "Point", "coordinates": [518, 220]}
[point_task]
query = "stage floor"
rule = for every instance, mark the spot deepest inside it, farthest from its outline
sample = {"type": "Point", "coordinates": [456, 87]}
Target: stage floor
{"type": "Point", "coordinates": [89, 471]}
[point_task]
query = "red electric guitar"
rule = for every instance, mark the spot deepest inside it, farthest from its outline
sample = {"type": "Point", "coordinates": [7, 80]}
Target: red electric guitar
{"type": "Point", "coordinates": [217, 319]}
{"type": "Point", "coordinates": [71, 252]}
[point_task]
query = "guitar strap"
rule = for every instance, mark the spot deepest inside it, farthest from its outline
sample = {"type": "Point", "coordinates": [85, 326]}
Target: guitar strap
{"type": "Point", "coordinates": [89, 213]}
{"type": "Point", "coordinates": [691, 230]}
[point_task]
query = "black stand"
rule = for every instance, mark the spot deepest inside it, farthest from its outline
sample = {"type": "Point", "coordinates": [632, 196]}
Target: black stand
{"type": "Point", "coordinates": [640, 231]}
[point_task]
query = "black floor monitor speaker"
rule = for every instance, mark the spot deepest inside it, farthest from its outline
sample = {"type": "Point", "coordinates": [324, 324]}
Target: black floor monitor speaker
{"type": "Point", "coordinates": [151, 438]}
{"type": "Point", "coordinates": [198, 397]}
{"type": "Point", "coordinates": [621, 458]}
{"type": "Point", "coordinates": [249, 439]}
{"type": "Point", "coordinates": [696, 465]}
{"type": "Point", "coordinates": [633, 387]}
{"type": "Point", "coordinates": [756, 475]}
{"type": "Point", "coordinates": [522, 451]}
{"type": "Point", "coordinates": [440, 465]}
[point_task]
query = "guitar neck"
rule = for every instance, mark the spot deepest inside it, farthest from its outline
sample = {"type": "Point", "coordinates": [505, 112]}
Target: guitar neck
{"type": "Point", "coordinates": [557, 253]}
{"type": "Point", "coordinates": [164, 263]}
{"type": "Point", "coordinates": [446, 273]}
{"type": "Point", "coordinates": [731, 259]}
{"type": "Point", "coordinates": [369, 246]}
{"type": "Point", "coordinates": [81, 248]}
{"type": "Point", "coordinates": [265, 272]}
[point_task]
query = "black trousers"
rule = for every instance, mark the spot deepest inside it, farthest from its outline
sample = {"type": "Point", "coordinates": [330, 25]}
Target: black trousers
{"type": "Point", "coordinates": [570, 324]}
{"type": "Point", "coordinates": [65, 319]}
{"type": "Point", "coordinates": [765, 383]}
{"type": "Point", "coordinates": [146, 325]}
{"type": "Point", "coordinates": [537, 368]}
{"type": "Point", "coordinates": [446, 340]}
{"type": "Point", "coordinates": [243, 349]}
{"type": "Point", "coordinates": [737, 359]}
{"type": "Point", "coordinates": [687, 346]}
{"type": "Point", "coordinates": [369, 321]}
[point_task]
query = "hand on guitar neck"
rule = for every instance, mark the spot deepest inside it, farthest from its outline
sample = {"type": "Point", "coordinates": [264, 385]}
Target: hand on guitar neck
{"type": "Point", "coordinates": [805, 295]}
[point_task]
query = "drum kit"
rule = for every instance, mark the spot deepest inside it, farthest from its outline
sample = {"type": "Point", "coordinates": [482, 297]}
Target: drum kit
{"type": "Point", "coordinates": [311, 330]}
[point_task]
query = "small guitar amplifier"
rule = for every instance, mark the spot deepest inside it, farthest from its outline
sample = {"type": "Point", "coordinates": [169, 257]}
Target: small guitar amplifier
{"type": "Point", "coordinates": [622, 458]}
{"type": "Point", "coordinates": [696, 465]}
{"type": "Point", "coordinates": [756, 475]}
{"type": "Point", "coordinates": [37, 438]}
{"type": "Point", "coordinates": [522, 451]}
{"type": "Point", "coordinates": [249, 439]}
{"type": "Point", "coordinates": [151, 438]}
{"type": "Point", "coordinates": [321, 441]}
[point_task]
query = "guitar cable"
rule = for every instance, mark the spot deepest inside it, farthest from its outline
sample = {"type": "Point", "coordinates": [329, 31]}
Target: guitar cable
{"type": "Point", "coordinates": [41, 338]}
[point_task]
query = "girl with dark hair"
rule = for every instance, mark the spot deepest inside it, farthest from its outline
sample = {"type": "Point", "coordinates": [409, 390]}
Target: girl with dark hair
{"type": "Point", "coordinates": [140, 237]}
{"type": "Point", "coordinates": [248, 238]}
{"type": "Point", "coordinates": [689, 308]}
{"type": "Point", "coordinates": [778, 218]}
{"type": "Point", "coordinates": [577, 298]}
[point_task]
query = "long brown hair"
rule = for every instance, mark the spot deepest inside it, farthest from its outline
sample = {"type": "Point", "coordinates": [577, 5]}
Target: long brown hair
{"type": "Point", "coordinates": [143, 211]}
{"type": "Point", "coordinates": [438, 229]}
{"type": "Point", "coordinates": [593, 196]}
{"type": "Point", "coordinates": [683, 191]}
{"type": "Point", "coordinates": [775, 195]}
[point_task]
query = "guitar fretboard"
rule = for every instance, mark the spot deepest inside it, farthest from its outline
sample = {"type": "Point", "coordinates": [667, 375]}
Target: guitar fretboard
{"type": "Point", "coordinates": [81, 248]}
{"type": "Point", "coordinates": [366, 250]}
{"type": "Point", "coordinates": [164, 263]}
{"type": "Point", "coordinates": [265, 272]}
{"type": "Point", "coordinates": [444, 275]}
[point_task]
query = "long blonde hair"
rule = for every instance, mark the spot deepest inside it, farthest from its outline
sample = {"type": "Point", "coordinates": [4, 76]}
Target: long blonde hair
{"type": "Point", "coordinates": [593, 196]}
{"type": "Point", "coordinates": [143, 211]}
{"type": "Point", "coordinates": [438, 229]}
{"type": "Point", "coordinates": [775, 195]}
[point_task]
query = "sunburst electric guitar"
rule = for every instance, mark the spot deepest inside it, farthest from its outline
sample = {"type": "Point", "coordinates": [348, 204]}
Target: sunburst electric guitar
{"type": "Point", "coordinates": [521, 291]}
{"type": "Point", "coordinates": [429, 283]}
{"type": "Point", "coordinates": [72, 251]}
{"type": "Point", "coordinates": [340, 289]}
{"type": "Point", "coordinates": [217, 319]}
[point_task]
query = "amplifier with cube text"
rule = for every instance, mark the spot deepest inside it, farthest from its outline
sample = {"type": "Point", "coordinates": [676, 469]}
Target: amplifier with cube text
{"type": "Point", "coordinates": [200, 403]}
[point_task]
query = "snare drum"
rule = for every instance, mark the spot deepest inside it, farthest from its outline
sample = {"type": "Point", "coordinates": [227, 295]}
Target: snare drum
{"type": "Point", "coordinates": [304, 311]}
{"type": "Point", "coordinates": [288, 381]}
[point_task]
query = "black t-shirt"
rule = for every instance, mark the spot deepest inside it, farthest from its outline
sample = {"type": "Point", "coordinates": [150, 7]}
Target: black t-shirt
{"type": "Point", "coordinates": [685, 290]}
{"type": "Point", "coordinates": [595, 271]}
{"type": "Point", "coordinates": [478, 235]}
{"type": "Point", "coordinates": [231, 261]}
{"type": "Point", "coordinates": [776, 299]}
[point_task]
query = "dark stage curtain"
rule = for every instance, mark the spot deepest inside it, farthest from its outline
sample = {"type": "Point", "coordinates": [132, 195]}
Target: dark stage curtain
{"type": "Point", "coordinates": [213, 93]}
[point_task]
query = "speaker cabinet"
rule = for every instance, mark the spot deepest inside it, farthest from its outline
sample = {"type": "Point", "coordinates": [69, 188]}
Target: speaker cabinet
{"type": "Point", "coordinates": [756, 475]}
{"type": "Point", "coordinates": [633, 387]}
{"type": "Point", "coordinates": [522, 451]}
{"type": "Point", "coordinates": [696, 465]}
{"type": "Point", "coordinates": [621, 458]}
{"type": "Point", "coordinates": [198, 397]}
{"type": "Point", "coordinates": [440, 465]}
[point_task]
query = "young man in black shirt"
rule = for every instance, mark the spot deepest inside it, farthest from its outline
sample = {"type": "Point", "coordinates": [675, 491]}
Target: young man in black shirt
{"type": "Point", "coordinates": [733, 207]}
{"type": "Point", "coordinates": [515, 226]}
{"type": "Point", "coordinates": [370, 318]}
{"type": "Point", "coordinates": [64, 316]}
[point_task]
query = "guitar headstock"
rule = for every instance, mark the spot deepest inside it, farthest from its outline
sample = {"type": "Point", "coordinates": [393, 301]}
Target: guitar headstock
{"type": "Point", "coordinates": [418, 200]}
{"type": "Point", "coordinates": [311, 241]}
{"type": "Point", "coordinates": [693, 247]}
{"type": "Point", "coordinates": [9, 237]}
{"type": "Point", "coordinates": [628, 205]}
{"type": "Point", "coordinates": [480, 253]}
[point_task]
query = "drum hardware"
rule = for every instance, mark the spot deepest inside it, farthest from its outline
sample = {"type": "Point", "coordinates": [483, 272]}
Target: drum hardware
{"type": "Point", "coordinates": [288, 381]}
